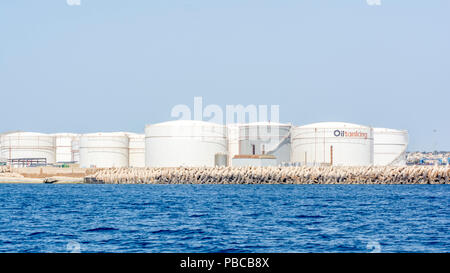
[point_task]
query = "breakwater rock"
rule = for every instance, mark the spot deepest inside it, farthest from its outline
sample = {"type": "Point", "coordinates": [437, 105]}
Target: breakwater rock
{"type": "Point", "coordinates": [5, 169]}
{"type": "Point", "coordinates": [274, 175]}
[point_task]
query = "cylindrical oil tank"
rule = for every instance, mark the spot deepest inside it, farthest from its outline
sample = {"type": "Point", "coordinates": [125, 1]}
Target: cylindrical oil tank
{"type": "Point", "coordinates": [104, 150]}
{"type": "Point", "coordinates": [76, 149]}
{"type": "Point", "coordinates": [184, 143]}
{"type": "Point", "coordinates": [266, 138]}
{"type": "Point", "coordinates": [332, 143]}
{"type": "Point", "coordinates": [136, 150]}
{"type": "Point", "coordinates": [390, 147]}
{"type": "Point", "coordinates": [26, 145]}
{"type": "Point", "coordinates": [64, 147]}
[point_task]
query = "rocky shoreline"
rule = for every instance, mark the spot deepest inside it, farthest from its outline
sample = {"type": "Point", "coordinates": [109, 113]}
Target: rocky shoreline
{"type": "Point", "coordinates": [274, 175]}
{"type": "Point", "coordinates": [243, 175]}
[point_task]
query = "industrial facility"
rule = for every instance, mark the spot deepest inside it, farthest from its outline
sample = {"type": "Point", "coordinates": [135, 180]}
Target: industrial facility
{"type": "Point", "coordinates": [190, 143]}
{"type": "Point", "coordinates": [259, 138]}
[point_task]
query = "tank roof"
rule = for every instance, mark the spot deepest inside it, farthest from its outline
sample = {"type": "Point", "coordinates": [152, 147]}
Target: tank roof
{"type": "Point", "coordinates": [333, 125]}
{"type": "Point", "coordinates": [65, 134]}
{"type": "Point", "coordinates": [263, 123]}
{"type": "Point", "coordinates": [388, 130]}
{"type": "Point", "coordinates": [106, 134]}
{"type": "Point", "coordinates": [136, 136]}
{"type": "Point", "coordinates": [26, 134]}
{"type": "Point", "coordinates": [183, 122]}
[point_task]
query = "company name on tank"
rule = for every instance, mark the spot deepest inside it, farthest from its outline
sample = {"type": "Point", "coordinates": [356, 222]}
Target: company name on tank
{"type": "Point", "coordinates": [350, 134]}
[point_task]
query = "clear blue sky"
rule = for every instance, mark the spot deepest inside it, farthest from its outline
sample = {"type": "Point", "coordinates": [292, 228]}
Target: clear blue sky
{"type": "Point", "coordinates": [117, 65]}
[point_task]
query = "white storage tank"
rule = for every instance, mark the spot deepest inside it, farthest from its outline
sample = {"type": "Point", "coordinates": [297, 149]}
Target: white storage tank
{"type": "Point", "coordinates": [64, 147]}
{"type": "Point", "coordinates": [76, 149]}
{"type": "Point", "coordinates": [332, 143]}
{"type": "Point", "coordinates": [184, 143]}
{"type": "Point", "coordinates": [390, 147]}
{"type": "Point", "coordinates": [104, 150]}
{"type": "Point", "coordinates": [26, 148]}
{"type": "Point", "coordinates": [266, 138]}
{"type": "Point", "coordinates": [136, 150]}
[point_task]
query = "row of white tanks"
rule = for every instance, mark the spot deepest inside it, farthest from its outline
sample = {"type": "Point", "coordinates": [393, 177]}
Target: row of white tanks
{"type": "Point", "coordinates": [89, 150]}
{"type": "Point", "coordinates": [198, 143]}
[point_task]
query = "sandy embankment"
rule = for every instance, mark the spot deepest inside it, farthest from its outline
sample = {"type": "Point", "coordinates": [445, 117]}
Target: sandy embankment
{"type": "Point", "coordinates": [20, 180]}
{"type": "Point", "coordinates": [39, 175]}
{"type": "Point", "coordinates": [50, 180]}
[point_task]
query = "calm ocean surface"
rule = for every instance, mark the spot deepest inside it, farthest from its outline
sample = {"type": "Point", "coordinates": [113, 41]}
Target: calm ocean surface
{"type": "Point", "coordinates": [224, 218]}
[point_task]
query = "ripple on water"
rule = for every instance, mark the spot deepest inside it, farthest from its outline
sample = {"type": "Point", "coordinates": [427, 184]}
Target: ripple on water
{"type": "Point", "coordinates": [101, 229]}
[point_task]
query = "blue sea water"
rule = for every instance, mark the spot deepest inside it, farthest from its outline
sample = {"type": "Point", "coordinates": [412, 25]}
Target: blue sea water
{"type": "Point", "coordinates": [224, 218]}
